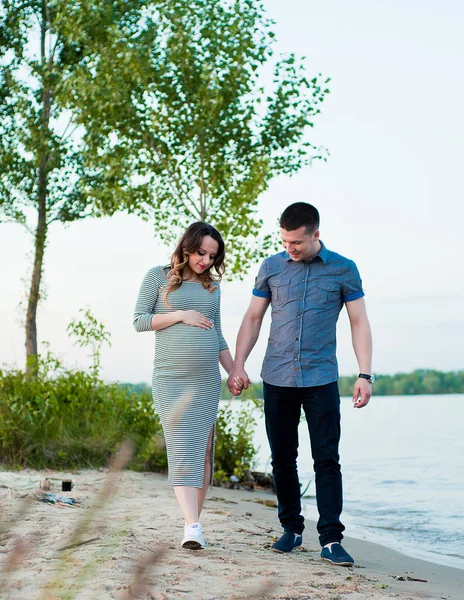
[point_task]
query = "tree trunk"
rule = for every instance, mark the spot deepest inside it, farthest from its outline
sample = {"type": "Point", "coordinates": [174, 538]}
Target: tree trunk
{"type": "Point", "coordinates": [34, 293]}
{"type": "Point", "coordinates": [40, 238]}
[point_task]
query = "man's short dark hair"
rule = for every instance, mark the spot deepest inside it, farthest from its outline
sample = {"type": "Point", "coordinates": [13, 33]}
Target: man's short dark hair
{"type": "Point", "coordinates": [298, 215]}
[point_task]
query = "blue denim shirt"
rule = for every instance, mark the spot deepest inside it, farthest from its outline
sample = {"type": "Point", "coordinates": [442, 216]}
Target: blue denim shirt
{"type": "Point", "coordinates": [306, 299]}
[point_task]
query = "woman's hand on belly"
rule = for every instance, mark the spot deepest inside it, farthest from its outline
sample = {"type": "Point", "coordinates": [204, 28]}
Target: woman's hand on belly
{"type": "Point", "coordinates": [196, 319]}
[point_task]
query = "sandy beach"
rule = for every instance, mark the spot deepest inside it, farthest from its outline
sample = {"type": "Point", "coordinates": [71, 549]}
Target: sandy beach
{"type": "Point", "coordinates": [125, 543]}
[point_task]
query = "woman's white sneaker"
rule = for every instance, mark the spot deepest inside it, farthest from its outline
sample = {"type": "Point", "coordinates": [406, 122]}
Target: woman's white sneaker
{"type": "Point", "coordinates": [193, 537]}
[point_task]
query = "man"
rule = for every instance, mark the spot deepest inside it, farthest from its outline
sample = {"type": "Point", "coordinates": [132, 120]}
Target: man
{"type": "Point", "coordinates": [307, 286]}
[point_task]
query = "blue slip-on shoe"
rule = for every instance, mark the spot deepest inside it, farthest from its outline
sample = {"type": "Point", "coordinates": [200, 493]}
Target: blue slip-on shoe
{"type": "Point", "coordinates": [337, 555]}
{"type": "Point", "coordinates": [287, 542]}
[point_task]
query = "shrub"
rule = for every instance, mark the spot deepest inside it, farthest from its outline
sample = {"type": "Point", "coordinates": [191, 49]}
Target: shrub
{"type": "Point", "coordinates": [235, 453]}
{"type": "Point", "coordinates": [69, 420]}
{"type": "Point", "coordinates": [65, 419]}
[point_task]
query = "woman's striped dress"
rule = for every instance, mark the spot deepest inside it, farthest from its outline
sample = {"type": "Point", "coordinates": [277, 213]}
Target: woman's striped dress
{"type": "Point", "coordinates": [186, 377]}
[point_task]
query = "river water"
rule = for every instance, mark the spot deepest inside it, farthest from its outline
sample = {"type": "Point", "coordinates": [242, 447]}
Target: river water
{"type": "Point", "coordinates": [403, 473]}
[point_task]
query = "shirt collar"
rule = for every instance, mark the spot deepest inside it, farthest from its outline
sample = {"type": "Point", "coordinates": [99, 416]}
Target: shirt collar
{"type": "Point", "coordinates": [320, 256]}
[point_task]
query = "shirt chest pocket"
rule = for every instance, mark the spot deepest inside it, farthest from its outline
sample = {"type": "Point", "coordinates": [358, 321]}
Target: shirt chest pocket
{"type": "Point", "coordinates": [326, 293]}
{"type": "Point", "coordinates": [280, 290]}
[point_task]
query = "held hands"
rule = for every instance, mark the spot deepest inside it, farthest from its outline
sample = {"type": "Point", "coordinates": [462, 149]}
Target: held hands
{"type": "Point", "coordinates": [362, 392]}
{"type": "Point", "coordinates": [238, 381]}
{"type": "Point", "coordinates": [196, 319]}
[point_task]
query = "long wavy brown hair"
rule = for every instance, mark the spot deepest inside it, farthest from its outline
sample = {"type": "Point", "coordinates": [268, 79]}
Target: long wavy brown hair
{"type": "Point", "coordinates": [189, 243]}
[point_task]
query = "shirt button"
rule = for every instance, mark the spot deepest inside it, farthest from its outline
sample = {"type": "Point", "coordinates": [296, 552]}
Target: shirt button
{"type": "Point", "coordinates": [302, 296]}
{"type": "Point", "coordinates": [297, 339]}
{"type": "Point", "coordinates": [302, 280]}
{"type": "Point", "coordinates": [296, 359]}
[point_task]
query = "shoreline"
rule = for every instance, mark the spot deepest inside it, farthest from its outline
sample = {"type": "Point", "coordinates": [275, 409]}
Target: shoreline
{"type": "Point", "coordinates": [133, 549]}
{"type": "Point", "coordinates": [381, 560]}
{"type": "Point", "coordinates": [358, 532]}
{"type": "Point", "coordinates": [390, 492]}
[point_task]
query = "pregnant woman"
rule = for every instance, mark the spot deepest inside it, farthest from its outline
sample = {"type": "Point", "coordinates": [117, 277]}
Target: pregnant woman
{"type": "Point", "coordinates": [181, 303]}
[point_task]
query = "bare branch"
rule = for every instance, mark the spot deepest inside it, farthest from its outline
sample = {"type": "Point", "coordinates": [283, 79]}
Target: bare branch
{"type": "Point", "coordinates": [184, 196]}
{"type": "Point", "coordinates": [64, 139]}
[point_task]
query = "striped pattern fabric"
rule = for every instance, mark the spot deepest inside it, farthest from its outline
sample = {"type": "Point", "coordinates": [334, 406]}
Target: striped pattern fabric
{"type": "Point", "coordinates": [186, 380]}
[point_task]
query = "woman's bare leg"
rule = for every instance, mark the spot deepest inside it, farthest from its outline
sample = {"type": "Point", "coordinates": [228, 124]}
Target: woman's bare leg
{"type": "Point", "coordinates": [187, 499]}
{"type": "Point", "coordinates": [201, 493]}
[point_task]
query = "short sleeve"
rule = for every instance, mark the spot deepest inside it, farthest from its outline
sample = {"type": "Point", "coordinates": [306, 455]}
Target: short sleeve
{"type": "Point", "coordinates": [146, 301]}
{"type": "Point", "coordinates": [262, 289]}
{"type": "Point", "coordinates": [352, 284]}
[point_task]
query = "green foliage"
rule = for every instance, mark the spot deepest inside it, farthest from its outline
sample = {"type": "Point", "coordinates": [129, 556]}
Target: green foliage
{"type": "Point", "coordinates": [235, 453]}
{"type": "Point", "coordinates": [153, 107]}
{"type": "Point", "coordinates": [65, 419]}
{"type": "Point", "coordinates": [68, 419]}
{"type": "Point", "coordinates": [44, 44]}
{"type": "Point", "coordinates": [204, 136]}
{"type": "Point", "coordinates": [46, 172]}
{"type": "Point", "coordinates": [420, 381]}
{"type": "Point", "coordinates": [89, 332]}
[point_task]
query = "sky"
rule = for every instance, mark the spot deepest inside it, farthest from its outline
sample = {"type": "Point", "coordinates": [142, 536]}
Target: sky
{"type": "Point", "coordinates": [391, 198]}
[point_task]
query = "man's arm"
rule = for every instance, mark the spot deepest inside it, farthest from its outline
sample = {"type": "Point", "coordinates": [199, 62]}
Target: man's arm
{"type": "Point", "coordinates": [362, 344]}
{"type": "Point", "coordinates": [247, 337]}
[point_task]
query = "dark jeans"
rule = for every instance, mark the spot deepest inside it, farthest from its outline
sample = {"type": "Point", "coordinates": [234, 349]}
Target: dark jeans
{"type": "Point", "coordinates": [282, 408]}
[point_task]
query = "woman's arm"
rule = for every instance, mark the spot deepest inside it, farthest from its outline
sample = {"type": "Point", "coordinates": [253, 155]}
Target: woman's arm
{"type": "Point", "coordinates": [225, 357]}
{"type": "Point", "coordinates": [163, 321]}
{"type": "Point", "coordinates": [146, 300]}
{"type": "Point", "coordinates": [226, 360]}
{"type": "Point", "coordinates": [189, 317]}
{"type": "Point", "coordinates": [145, 318]}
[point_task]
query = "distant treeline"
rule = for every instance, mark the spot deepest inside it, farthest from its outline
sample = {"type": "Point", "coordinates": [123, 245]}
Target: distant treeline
{"type": "Point", "coordinates": [421, 381]}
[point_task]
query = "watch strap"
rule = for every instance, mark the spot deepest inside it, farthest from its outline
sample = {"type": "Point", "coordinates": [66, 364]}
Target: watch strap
{"type": "Point", "coordinates": [370, 378]}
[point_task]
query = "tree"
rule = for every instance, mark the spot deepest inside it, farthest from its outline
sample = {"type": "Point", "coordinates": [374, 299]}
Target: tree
{"type": "Point", "coordinates": [205, 135]}
{"type": "Point", "coordinates": [42, 142]}
{"type": "Point", "coordinates": [155, 107]}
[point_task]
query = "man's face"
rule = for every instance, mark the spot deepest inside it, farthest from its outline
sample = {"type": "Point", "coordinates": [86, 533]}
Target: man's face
{"type": "Point", "coordinates": [300, 244]}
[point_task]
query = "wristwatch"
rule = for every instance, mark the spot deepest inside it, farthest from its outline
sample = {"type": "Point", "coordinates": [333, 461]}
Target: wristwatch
{"type": "Point", "coordinates": [370, 378]}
